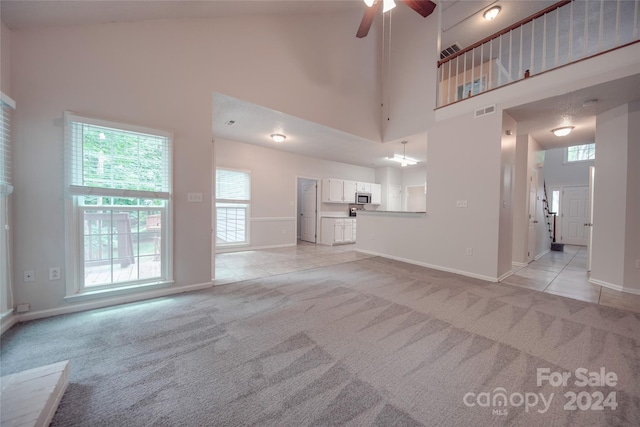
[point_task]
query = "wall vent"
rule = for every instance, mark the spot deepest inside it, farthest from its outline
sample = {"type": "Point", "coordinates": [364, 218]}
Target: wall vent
{"type": "Point", "coordinates": [490, 109]}
{"type": "Point", "coordinates": [448, 51]}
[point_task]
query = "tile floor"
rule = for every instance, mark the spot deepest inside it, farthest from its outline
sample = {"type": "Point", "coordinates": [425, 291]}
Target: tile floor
{"type": "Point", "coordinates": [565, 274]}
{"type": "Point", "coordinates": [235, 266]}
{"type": "Point", "coordinates": [560, 273]}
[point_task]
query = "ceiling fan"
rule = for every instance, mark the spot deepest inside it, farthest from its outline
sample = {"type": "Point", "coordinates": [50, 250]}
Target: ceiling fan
{"type": "Point", "coordinates": [423, 7]}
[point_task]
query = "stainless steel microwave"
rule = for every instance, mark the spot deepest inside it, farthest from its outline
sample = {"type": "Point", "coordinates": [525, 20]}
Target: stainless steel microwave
{"type": "Point", "coordinates": [363, 198]}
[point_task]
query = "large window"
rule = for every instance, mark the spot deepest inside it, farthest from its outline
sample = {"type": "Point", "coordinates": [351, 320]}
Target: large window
{"type": "Point", "coordinates": [233, 196]}
{"type": "Point", "coordinates": [6, 107]}
{"type": "Point", "coordinates": [119, 218]}
{"type": "Point", "coordinates": [580, 153]}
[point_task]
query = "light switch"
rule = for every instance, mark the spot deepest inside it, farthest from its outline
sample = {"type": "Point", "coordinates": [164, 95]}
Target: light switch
{"type": "Point", "coordinates": [194, 197]}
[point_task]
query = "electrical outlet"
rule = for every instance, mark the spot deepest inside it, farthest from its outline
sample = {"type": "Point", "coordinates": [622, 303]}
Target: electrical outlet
{"type": "Point", "coordinates": [469, 251]}
{"type": "Point", "coordinates": [29, 276]}
{"type": "Point", "coordinates": [638, 263]}
{"type": "Point", "coordinates": [54, 273]}
{"type": "Point", "coordinates": [23, 308]}
{"type": "Point", "coordinates": [461, 204]}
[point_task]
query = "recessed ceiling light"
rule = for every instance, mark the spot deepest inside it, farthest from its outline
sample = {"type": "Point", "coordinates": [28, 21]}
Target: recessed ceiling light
{"type": "Point", "coordinates": [563, 131]}
{"type": "Point", "coordinates": [589, 102]}
{"type": "Point", "coordinates": [278, 137]}
{"type": "Point", "coordinates": [491, 13]}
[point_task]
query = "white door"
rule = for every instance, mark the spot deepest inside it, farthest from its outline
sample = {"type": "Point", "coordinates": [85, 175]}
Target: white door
{"type": "Point", "coordinates": [308, 215]}
{"type": "Point", "coordinates": [590, 215]}
{"type": "Point", "coordinates": [533, 208]}
{"type": "Point", "coordinates": [394, 198]}
{"type": "Point", "coordinates": [575, 203]}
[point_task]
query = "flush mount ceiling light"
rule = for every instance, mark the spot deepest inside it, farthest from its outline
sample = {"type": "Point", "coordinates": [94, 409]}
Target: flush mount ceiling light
{"type": "Point", "coordinates": [491, 13]}
{"type": "Point", "coordinates": [404, 161]}
{"type": "Point", "coordinates": [563, 131]}
{"type": "Point", "coordinates": [278, 137]}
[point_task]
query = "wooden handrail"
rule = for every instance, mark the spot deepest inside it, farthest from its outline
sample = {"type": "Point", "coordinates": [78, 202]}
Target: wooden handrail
{"type": "Point", "coordinates": [505, 30]}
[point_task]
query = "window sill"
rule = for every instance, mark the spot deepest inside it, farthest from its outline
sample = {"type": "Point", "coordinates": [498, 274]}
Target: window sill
{"type": "Point", "coordinates": [104, 293]}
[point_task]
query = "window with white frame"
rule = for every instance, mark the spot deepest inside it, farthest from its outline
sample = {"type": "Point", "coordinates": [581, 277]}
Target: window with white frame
{"type": "Point", "coordinates": [580, 153]}
{"type": "Point", "coordinates": [7, 105]}
{"type": "Point", "coordinates": [119, 214]}
{"type": "Point", "coordinates": [233, 198]}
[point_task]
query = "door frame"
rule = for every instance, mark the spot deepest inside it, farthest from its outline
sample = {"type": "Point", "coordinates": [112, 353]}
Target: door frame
{"type": "Point", "coordinates": [298, 188]}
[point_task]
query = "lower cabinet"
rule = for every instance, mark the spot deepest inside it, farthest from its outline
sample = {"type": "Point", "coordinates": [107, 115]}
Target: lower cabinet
{"type": "Point", "coordinates": [336, 231]}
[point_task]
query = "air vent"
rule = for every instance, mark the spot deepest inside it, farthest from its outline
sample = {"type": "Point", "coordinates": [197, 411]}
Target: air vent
{"type": "Point", "coordinates": [446, 52]}
{"type": "Point", "coordinates": [490, 109]}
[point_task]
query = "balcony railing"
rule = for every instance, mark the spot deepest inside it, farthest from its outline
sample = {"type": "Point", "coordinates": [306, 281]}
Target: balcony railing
{"type": "Point", "coordinates": [561, 34]}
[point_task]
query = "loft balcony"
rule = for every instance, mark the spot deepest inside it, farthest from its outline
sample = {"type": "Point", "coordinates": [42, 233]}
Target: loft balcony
{"type": "Point", "coordinates": [562, 34]}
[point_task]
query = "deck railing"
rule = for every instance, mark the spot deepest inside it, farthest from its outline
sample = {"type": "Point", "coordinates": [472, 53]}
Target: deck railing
{"type": "Point", "coordinates": [563, 33]}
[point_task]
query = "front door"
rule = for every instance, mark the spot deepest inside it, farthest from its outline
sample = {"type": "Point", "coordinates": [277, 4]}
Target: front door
{"type": "Point", "coordinates": [308, 215]}
{"type": "Point", "coordinates": [575, 207]}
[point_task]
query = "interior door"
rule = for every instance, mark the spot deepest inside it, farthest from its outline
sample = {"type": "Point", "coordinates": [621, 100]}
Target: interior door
{"type": "Point", "coordinates": [575, 203]}
{"type": "Point", "coordinates": [308, 215]}
{"type": "Point", "coordinates": [533, 209]}
{"type": "Point", "coordinates": [590, 216]}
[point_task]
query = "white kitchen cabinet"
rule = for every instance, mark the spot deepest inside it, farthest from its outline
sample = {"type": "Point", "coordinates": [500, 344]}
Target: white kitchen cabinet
{"type": "Point", "coordinates": [376, 194]}
{"type": "Point", "coordinates": [336, 231]}
{"type": "Point", "coordinates": [338, 191]}
{"type": "Point", "coordinates": [349, 191]}
{"type": "Point", "coordinates": [363, 187]}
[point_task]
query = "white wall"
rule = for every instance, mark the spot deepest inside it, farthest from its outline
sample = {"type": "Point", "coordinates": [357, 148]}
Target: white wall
{"type": "Point", "coordinates": [520, 202]}
{"type": "Point", "coordinates": [410, 87]}
{"type": "Point", "coordinates": [274, 178]}
{"type": "Point", "coordinates": [464, 164]}
{"type": "Point", "coordinates": [616, 215]}
{"type": "Point", "coordinates": [543, 241]}
{"type": "Point", "coordinates": [505, 206]}
{"type": "Point", "coordinates": [5, 59]}
{"type": "Point", "coordinates": [558, 173]}
{"type": "Point", "coordinates": [163, 74]}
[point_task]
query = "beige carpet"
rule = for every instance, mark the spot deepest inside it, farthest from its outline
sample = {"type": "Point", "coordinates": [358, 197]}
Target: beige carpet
{"type": "Point", "coordinates": [370, 342]}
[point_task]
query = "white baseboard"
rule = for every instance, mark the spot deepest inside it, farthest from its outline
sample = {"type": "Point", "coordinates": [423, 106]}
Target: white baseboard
{"type": "Point", "coordinates": [7, 321]}
{"type": "Point", "coordinates": [107, 302]}
{"type": "Point", "coordinates": [614, 287]}
{"type": "Point", "coordinates": [541, 254]}
{"type": "Point", "coordinates": [253, 248]}
{"type": "Point", "coordinates": [519, 264]}
{"type": "Point", "coordinates": [432, 266]}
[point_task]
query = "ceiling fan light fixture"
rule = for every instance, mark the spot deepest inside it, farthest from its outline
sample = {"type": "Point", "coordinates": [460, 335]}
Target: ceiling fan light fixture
{"type": "Point", "coordinates": [278, 137]}
{"type": "Point", "coordinates": [369, 3]}
{"type": "Point", "coordinates": [491, 13]}
{"type": "Point", "coordinates": [563, 131]}
{"type": "Point", "coordinates": [387, 5]}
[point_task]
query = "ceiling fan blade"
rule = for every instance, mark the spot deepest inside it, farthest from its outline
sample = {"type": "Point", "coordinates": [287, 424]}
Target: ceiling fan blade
{"type": "Point", "coordinates": [367, 19]}
{"type": "Point", "coordinates": [423, 7]}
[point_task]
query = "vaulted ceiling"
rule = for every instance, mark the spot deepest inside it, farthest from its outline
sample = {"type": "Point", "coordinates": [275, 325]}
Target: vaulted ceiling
{"type": "Point", "coordinates": [461, 21]}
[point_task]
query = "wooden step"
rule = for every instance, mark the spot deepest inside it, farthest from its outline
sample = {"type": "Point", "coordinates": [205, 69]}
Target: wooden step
{"type": "Point", "coordinates": [30, 398]}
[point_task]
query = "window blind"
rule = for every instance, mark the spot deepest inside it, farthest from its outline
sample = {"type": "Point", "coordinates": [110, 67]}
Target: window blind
{"type": "Point", "coordinates": [5, 145]}
{"type": "Point", "coordinates": [232, 185]}
{"type": "Point", "coordinates": [105, 159]}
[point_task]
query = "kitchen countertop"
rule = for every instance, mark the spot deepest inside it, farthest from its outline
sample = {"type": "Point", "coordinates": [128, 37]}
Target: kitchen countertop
{"type": "Point", "coordinates": [337, 216]}
{"type": "Point", "coordinates": [395, 213]}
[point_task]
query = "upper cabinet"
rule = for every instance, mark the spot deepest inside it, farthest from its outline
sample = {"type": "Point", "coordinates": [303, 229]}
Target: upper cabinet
{"type": "Point", "coordinates": [363, 187]}
{"type": "Point", "coordinates": [338, 191]}
{"type": "Point", "coordinates": [344, 191]}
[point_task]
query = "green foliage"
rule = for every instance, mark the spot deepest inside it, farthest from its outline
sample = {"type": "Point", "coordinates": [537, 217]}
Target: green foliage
{"type": "Point", "coordinates": [119, 159]}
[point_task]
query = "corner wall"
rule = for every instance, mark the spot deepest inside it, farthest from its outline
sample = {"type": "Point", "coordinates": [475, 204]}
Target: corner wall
{"type": "Point", "coordinates": [616, 216]}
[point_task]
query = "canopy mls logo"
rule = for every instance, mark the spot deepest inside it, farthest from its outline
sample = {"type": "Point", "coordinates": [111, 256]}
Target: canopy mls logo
{"type": "Point", "coordinates": [500, 401]}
